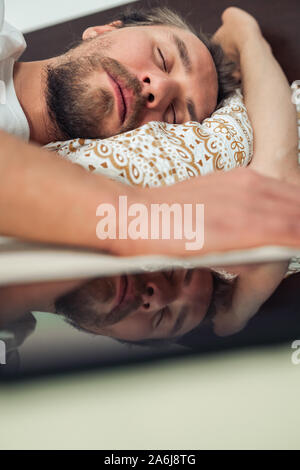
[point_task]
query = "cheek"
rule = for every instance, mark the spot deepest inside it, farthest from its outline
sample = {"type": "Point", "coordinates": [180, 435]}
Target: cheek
{"type": "Point", "coordinates": [195, 317]}
{"type": "Point", "coordinates": [134, 328]}
{"type": "Point", "coordinates": [199, 292]}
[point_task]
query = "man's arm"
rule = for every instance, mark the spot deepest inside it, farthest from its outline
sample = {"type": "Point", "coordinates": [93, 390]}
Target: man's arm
{"type": "Point", "coordinates": [267, 95]}
{"type": "Point", "coordinates": [45, 198]}
{"type": "Point", "coordinates": [271, 111]}
{"type": "Point", "coordinates": [268, 100]}
{"type": "Point", "coordinates": [48, 199]}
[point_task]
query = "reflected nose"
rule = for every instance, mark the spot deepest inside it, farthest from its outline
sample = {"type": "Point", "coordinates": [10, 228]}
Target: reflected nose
{"type": "Point", "coordinates": [159, 90]}
{"type": "Point", "coordinates": [154, 297]}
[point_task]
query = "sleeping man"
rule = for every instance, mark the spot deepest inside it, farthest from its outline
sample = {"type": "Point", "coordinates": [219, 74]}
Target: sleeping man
{"type": "Point", "coordinates": [160, 305]}
{"type": "Point", "coordinates": [115, 79]}
{"type": "Point", "coordinates": [275, 154]}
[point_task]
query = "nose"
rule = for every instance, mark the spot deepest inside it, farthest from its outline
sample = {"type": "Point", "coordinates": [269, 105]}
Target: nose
{"type": "Point", "coordinates": [154, 297]}
{"type": "Point", "coordinates": [159, 90]}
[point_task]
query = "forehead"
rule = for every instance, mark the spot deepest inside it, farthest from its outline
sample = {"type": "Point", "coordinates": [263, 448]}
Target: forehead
{"type": "Point", "coordinates": [167, 33]}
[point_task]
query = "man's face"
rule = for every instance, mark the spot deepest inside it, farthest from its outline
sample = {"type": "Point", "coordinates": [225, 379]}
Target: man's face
{"type": "Point", "coordinates": [144, 306]}
{"type": "Point", "coordinates": [126, 77]}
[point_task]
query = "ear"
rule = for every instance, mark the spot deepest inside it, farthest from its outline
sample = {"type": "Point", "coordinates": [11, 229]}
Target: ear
{"type": "Point", "coordinates": [94, 31]}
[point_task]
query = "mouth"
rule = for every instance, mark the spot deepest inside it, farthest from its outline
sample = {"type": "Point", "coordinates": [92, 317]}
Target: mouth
{"type": "Point", "coordinates": [121, 95]}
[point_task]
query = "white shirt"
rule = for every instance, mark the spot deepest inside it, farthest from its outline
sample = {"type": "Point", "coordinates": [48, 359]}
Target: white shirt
{"type": "Point", "coordinates": [12, 45]}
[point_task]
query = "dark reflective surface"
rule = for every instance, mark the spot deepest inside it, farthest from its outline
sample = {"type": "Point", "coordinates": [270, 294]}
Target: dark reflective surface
{"type": "Point", "coordinates": [45, 343]}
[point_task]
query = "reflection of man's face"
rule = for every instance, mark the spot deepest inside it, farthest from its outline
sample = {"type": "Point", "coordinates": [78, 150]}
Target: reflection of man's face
{"type": "Point", "coordinates": [145, 306]}
{"type": "Point", "coordinates": [127, 77]}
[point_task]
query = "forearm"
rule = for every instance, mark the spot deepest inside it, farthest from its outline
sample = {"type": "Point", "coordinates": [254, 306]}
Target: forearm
{"type": "Point", "coordinates": [45, 198]}
{"type": "Point", "coordinates": [48, 199]}
{"type": "Point", "coordinates": [267, 97]}
{"type": "Point", "coordinates": [254, 287]}
{"type": "Point", "coordinates": [273, 116]}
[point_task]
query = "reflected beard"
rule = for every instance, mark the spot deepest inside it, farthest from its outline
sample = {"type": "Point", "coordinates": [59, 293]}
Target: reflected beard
{"type": "Point", "coordinates": [82, 306]}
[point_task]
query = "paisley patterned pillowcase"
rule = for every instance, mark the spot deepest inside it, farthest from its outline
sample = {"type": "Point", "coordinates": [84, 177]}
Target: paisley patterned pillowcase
{"type": "Point", "coordinates": [160, 153]}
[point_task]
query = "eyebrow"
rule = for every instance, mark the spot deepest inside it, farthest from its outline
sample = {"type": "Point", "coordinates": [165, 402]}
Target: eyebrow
{"type": "Point", "coordinates": [187, 64]}
{"type": "Point", "coordinates": [180, 320]}
{"type": "Point", "coordinates": [183, 53]}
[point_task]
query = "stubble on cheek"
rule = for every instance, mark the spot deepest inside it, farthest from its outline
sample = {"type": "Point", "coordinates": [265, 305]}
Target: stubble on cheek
{"type": "Point", "coordinates": [81, 103]}
{"type": "Point", "coordinates": [102, 290]}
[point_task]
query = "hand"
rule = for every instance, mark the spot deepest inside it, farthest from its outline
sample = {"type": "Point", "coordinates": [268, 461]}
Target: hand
{"type": "Point", "coordinates": [243, 209]}
{"type": "Point", "coordinates": [237, 27]}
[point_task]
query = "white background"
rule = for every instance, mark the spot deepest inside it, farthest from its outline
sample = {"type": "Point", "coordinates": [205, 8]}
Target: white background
{"type": "Point", "coordinates": [29, 15]}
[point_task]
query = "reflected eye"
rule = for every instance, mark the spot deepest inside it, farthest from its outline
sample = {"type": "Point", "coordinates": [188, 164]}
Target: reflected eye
{"type": "Point", "coordinates": [158, 318]}
{"type": "Point", "coordinates": [166, 70]}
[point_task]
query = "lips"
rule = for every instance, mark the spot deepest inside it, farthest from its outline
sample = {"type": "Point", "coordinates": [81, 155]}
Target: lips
{"type": "Point", "coordinates": [120, 98]}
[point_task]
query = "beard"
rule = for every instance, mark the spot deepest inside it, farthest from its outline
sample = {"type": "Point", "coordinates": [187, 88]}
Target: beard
{"type": "Point", "coordinates": [76, 108]}
{"type": "Point", "coordinates": [84, 307]}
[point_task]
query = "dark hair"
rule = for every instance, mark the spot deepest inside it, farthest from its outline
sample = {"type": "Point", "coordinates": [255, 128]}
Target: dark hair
{"type": "Point", "coordinates": [164, 16]}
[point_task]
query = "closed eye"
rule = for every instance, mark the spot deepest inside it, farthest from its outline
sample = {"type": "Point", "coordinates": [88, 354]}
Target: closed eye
{"type": "Point", "coordinates": [166, 70]}
{"type": "Point", "coordinates": [163, 60]}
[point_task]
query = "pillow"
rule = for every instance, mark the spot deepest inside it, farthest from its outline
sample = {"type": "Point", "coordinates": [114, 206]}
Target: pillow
{"type": "Point", "coordinates": [159, 153]}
